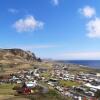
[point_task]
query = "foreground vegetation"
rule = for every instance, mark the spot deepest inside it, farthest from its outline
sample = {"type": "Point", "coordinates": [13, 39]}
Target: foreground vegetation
{"type": "Point", "coordinates": [7, 93]}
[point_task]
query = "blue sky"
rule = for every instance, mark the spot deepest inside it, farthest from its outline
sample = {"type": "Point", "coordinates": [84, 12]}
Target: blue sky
{"type": "Point", "coordinates": [57, 29]}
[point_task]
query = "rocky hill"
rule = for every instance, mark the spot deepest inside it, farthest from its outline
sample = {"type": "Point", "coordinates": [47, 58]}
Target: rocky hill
{"type": "Point", "coordinates": [16, 55]}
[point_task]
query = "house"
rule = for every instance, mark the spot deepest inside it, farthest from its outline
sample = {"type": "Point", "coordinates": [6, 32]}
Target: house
{"type": "Point", "coordinates": [66, 78]}
{"type": "Point", "coordinates": [52, 82]}
{"type": "Point", "coordinates": [18, 81]}
{"type": "Point", "coordinates": [93, 86]}
{"type": "Point", "coordinates": [31, 84]}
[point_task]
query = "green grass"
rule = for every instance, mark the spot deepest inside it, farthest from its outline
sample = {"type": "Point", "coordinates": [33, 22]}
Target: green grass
{"type": "Point", "coordinates": [6, 86]}
{"type": "Point", "coordinates": [6, 89]}
{"type": "Point", "coordinates": [68, 83]}
{"type": "Point", "coordinates": [46, 75]}
{"type": "Point", "coordinates": [6, 92]}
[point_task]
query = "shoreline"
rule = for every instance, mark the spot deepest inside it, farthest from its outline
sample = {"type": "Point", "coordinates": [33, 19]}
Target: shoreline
{"type": "Point", "coordinates": [93, 64]}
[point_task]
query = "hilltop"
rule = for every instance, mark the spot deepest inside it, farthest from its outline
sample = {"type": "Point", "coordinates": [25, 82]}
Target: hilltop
{"type": "Point", "coordinates": [16, 55]}
{"type": "Point", "coordinates": [12, 60]}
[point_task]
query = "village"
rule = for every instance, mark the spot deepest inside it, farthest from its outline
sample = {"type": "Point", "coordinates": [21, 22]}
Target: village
{"type": "Point", "coordinates": [80, 86]}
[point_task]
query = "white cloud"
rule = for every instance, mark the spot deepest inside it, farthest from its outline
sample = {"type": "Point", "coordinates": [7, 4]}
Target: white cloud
{"type": "Point", "coordinates": [93, 25]}
{"type": "Point", "coordinates": [12, 10]}
{"type": "Point", "coordinates": [80, 55]}
{"type": "Point", "coordinates": [55, 2]}
{"type": "Point", "coordinates": [88, 11]}
{"type": "Point", "coordinates": [28, 24]}
{"type": "Point", "coordinates": [93, 28]}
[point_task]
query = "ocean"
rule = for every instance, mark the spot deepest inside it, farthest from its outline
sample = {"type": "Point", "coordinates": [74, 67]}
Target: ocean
{"type": "Point", "coordinates": [89, 63]}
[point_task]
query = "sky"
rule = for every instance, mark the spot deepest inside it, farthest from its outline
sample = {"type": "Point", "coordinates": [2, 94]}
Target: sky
{"type": "Point", "coordinates": [56, 29]}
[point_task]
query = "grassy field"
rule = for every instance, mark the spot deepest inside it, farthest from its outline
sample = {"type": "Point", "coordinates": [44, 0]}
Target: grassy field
{"type": "Point", "coordinates": [68, 83]}
{"type": "Point", "coordinates": [6, 89]}
{"type": "Point", "coordinates": [47, 75]}
{"type": "Point", "coordinates": [7, 93]}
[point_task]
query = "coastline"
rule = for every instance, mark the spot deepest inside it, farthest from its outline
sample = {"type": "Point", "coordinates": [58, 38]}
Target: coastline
{"type": "Point", "coordinates": [94, 64]}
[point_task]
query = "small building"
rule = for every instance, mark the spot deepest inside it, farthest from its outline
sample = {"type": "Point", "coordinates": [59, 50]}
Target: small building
{"type": "Point", "coordinates": [31, 84]}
